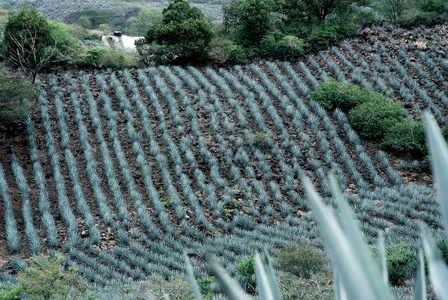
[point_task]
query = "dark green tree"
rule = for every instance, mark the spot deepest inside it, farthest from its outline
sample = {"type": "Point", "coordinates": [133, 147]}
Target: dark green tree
{"type": "Point", "coordinates": [184, 31]}
{"type": "Point", "coordinates": [254, 21]}
{"type": "Point", "coordinates": [27, 40]}
{"type": "Point", "coordinates": [297, 10]}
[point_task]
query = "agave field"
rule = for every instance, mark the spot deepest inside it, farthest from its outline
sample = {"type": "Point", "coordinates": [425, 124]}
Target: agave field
{"type": "Point", "coordinates": [121, 171]}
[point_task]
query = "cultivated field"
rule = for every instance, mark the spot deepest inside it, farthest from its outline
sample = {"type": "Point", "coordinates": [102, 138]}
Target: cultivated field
{"type": "Point", "coordinates": [124, 170]}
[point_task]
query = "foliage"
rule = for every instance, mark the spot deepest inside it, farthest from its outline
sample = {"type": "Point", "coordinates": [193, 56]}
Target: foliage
{"type": "Point", "coordinates": [91, 18]}
{"type": "Point", "coordinates": [334, 94]}
{"type": "Point", "coordinates": [46, 276]}
{"type": "Point", "coordinates": [401, 262]}
{"type": "Point", "coordinates": [223, 50]}
{"type": "Point", "coordinates": [406, 136]}
{"type": "Point", "coordinates": [395, 8]}
{"type": "Point", "coordinates": [174, 287]}
{"type": "Point", "coordinates": [443, 247]}
{"type": "Point", "coordinates": [303, 260]}
{"type": "Point", "coordinates": [12, 111]}
{"type": "Point", "coordinates": [27, 40]}
{"type": "Point", "coordinates": [276, 44]}
{"type": "Point", "coordinates": [254, 21]}
{"type": "Point", "coordinates": [68, 49]}
{"type": "Point", "coordinates": [315, 9]}
{"type": "Point", "coordinates": [146, 19]}
{"type": "Point", "coordinates": [205, 283]}
{"type": "Point", "coordinates": [372, 118]}
{"type": "Point", "coordinates": [434, 6]}
{"type": "Point", "coordinates": [318, 286]}
{"type": "Point", "coordinates": [10, 292]}
{"type": "Point", "coordinates": [246, 274]}
{"type": "Point", "coordinates": [183, 30]}
{"type": "Point", "coordinates": [103, 57]}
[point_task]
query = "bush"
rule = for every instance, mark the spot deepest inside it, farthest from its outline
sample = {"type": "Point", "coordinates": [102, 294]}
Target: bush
{"type": "Point", "coordinates": [276, 44]}
{"type": "Point", "coordinates": [302, 261]}
{"type": "Point", "coordinates": [443, 247]}
{"type": "Point", "coordinates": [435, 6]}
{"type": "Point", "coordinates": [246, 274]}
{"type": "Point", "coordinates": [406, 136]}
{"type": "Point", "coordinates": [12, 110]}
{"type": "Point", "coordinates": [183, 30]}
{"type": "Point", "coordinates": [223, 50]}
{"type": "Point", "coordinates": [204, 284]}
{"type": "Point", "coordinates": [401, 262]}
{"type": "Point", "coordinates": [10, 292]}
{"type": "Point", "coordinates": [318, 286]}
{"type": "Point", "coordinates": [104, 57]}
{"type": "Point", "coordinates": [174, 287]}
{"type": "Point", "coordinates": [46, 276]}
{"type": "Point", "coordinates": [373, 118]}
{"type": "Point", "coordinates": [332, 94]}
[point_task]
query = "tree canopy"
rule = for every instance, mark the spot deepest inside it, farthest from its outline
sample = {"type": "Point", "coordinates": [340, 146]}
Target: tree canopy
{"type": "Point", "coordinates": [183, 31]}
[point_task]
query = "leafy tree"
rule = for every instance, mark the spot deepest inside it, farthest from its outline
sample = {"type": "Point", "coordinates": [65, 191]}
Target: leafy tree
{"type": "Point", "coordinates": [12, 91]}
{"type": "Point", "coordinates": [146, 19]}
{"type": "Point", "coordinates": [297, 10]}
{"type": "Point", "coordinates": [395, 8]}
{"type": "Point", "coordinates": [68, 49]}
{"type": "Point", "coordinates": [47, 276]}
{"type": "Point", "coordinates": [248, 20]}
{"type": "Point", "coordinates": [183, 31]}
{"type": "Point", "coordinates": [27, 40]}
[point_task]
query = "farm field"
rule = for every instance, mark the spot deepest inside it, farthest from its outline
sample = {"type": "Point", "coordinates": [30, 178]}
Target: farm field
{"type": "Point", "coordinates": [121, 171]}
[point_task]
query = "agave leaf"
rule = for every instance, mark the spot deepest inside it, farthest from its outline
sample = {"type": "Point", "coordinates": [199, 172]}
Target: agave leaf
{"type": "Point", "coordinates": [339, 290]}
{"type": "Point", "coordinates": [271, 276]}
{"type": "Point", "coordinates": [357, 270]}
{"type": "Point", "coordinates": [263, 284]}
{"type": "Point", "coordinates": [438, 271]}
{"type": "Point", "coordinates": [382, 256]}
{"type": "Point", "coordinates": [439, 162]}
{"type": "Point", "coordinates": [420, 284]}
{"type": "Point", "coordinates": [228, 285]}
{"type": "Point", "coordinates": [192, 279]}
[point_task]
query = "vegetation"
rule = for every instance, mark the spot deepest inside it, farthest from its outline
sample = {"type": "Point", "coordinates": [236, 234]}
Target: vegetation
{"type": "Point", "coordinates": [12, 110]}
{"type": "Point", "coordinates": [302, 260]}
{"type": "Point", "coordinates": [372, 119]}
{"type": "Point", "coordinates": [46, 276]}
{"type": "Point", "coordinates": [184, 32]}
{"type": "Point", "coordinates": [333, 94]}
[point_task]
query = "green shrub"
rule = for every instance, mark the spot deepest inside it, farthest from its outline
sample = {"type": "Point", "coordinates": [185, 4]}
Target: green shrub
{"type": "Point", "coordinates": [401, 262]}
{"type": "Point", "coordinates": [318, 286]}
{"type": "Point", "coordinates": [372, 118]}
{"type": "Point", "coordinates": [278, 45]}
{"type": "Point", "coordinates": [434, 6]}
{"type": "Point", "coordinates": [302, 261]}
{"type": "Point", "coordinates": [10, 292]}
{"type": "Point", "coordinates": [223, 50]}
{"type": "Point", "coordinates": [12, 110]}
{"type": "Point", "coordinates": [174, 287]}
{"type": "Point", "coordinates": [205, 283]}
{"type": "Point", "coordinates": [406, 136]}
{"type": "Point", "coordinates": [332, 94]}
{"type": "Point", "coordinates": [246, 274]}
{"type": "Point", "coordinates": [46, 276]}
{"type": "Point", "coordinates": [443, 247]}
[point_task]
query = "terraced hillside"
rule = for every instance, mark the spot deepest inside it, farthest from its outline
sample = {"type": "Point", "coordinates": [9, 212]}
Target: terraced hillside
{"type": "Point", "coordinates": [124, 170]}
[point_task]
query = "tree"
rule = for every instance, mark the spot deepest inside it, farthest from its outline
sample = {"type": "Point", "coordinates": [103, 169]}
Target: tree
{"type": "Point", "coordinates": [183, 31]}
{"type": "Point", "coordinates": [27, 41]}
{"type": "Point", "coordinates": [395, 8]}
{"type": "Point", "coordinates": [315, 9]}
{"type": "Point", "coordinates": [254, 20]}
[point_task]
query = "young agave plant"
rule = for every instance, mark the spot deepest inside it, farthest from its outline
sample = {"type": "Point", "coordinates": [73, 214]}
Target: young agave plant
{"type": "Point", "coordinates": [357, 274]}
